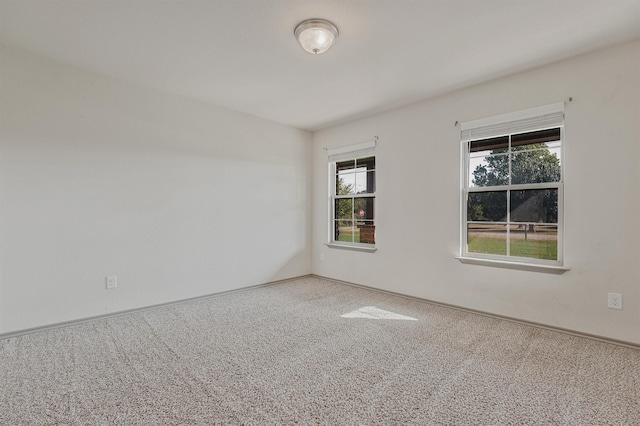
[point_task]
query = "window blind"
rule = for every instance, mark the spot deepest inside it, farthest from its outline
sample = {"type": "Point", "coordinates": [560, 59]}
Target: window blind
{"type": "Point", "coordinates": [365, 149]}
{"type": "Point", "coordinates": [539, 118]}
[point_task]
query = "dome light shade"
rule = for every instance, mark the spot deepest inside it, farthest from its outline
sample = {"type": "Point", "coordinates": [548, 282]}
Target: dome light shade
{"type": "Point", "coordinates": [316, 35]}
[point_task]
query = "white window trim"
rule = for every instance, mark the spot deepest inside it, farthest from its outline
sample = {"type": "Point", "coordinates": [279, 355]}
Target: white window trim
{"type": "Point", "coordinates": [539, 118]}
{"type": "Point", "coordinates": [352, 246]}
{"type": "Point", "coordinates": [522, 266]}
{"type": "Point", "coordinates": [361, 150]}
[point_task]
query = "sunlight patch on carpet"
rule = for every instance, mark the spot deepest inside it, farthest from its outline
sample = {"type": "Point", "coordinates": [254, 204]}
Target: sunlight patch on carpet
{"type": "Point", "coordinates": [371, 312]}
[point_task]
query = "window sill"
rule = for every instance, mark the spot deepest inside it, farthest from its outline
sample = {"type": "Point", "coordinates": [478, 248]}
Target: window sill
{"type": "Point", "coordinates": [533, 267]}
{"type": "Point", "coordinates": [365, 248]}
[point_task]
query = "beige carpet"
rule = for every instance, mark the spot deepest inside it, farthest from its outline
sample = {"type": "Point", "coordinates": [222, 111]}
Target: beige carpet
{"type": "Point", "coordinates": [313, 351]}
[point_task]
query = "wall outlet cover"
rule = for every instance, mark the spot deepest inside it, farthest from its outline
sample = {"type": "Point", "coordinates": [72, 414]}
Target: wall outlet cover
{"type": "Point", "coordinates": [615, 301]}
{"type": "Point", "coordinates": [112, 281]}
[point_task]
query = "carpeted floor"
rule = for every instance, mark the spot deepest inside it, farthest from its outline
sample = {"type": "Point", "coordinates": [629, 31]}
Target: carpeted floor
{"type": "Point", "coordinates": [312, 351]}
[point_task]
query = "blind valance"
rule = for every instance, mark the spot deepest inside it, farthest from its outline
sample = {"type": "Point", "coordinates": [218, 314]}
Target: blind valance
{"type": "Point", "coordinates": [539, 118]}
{"type": "Point", "coordinates": [365, 149]}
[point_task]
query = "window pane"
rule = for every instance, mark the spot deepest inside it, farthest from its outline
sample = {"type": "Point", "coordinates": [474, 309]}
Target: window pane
{"type": "Point", "coordinates": [554, 149]}
{"type": "Point", "coordinates": [345, 183]}
{"type": "Point", "coordinates": [534, 206]}
{"type": "Point", "coordinates": [344, 209]}
{"type": "Point", "coordinates": [366, 232]}
{"type": "Point", "coordinates": [533, 140]}
{"type": "Point", "coordinates": [486, 238]}
{"type": "Point", "coordinates": [488, 206]}
{"type": "Point", "coordinates": [368, 163]}
{"type": "Point", "coordinates": [365, 182]}
{"type": "Point", "coordinates": [534, 241]}
{"type": "Point", "coordinates": [485, 147]}
{"type": "Point", "coordinates": [541, 165]}
{"type": "Point", "coordinates": [345, 177]}
{"type": "Point", "coordinates": [345, 165]}
{"type": "Point", "coordinates": [490, 170]}
{"type": "Point", "coordinates": [363, 208]}
{"type": "Point", "coordinates": [344, 231]}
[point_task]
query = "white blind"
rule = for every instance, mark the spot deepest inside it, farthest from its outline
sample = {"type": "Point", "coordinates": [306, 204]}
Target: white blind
{"type": "Point", "coordinates": [365, 149]}
{"type": "Point", "coordinates": [539, 118]}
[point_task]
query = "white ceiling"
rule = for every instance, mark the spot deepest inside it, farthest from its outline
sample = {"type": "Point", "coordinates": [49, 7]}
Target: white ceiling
{"type": "Point", "coordinates": [242, 55]}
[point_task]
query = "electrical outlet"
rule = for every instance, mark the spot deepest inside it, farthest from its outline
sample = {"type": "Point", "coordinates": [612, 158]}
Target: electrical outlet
{"type": "Point", "coordinates": [615, 300]}
{"type": "Point", "coordinates": [112, 281]}
{"type": "Point", "coordinates": [321, 257]}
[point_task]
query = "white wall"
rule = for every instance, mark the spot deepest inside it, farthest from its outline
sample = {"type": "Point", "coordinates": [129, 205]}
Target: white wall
{"type": "Point", "coordinates": [181, 199]}
{"type": "Point", "coordinates": [418, 199]}
{"type": "Point", "coordinates": [176, 197]}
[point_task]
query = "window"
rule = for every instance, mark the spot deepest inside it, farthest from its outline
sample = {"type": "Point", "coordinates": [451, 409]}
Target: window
{"type": "Point", "coordinates": [512, 187]}
{"type": "Point", "coordinates": [352, 173]}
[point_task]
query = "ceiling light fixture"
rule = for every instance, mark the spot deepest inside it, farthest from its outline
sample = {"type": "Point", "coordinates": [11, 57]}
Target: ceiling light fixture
{"type": "Point", "coordinates": [316, 35]}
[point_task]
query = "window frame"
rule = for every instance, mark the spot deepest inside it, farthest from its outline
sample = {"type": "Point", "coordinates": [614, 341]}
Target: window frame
{"type": "Point", "coordinates": [351, 153]}
{"type": "Point", "coordinates": [499, 126]}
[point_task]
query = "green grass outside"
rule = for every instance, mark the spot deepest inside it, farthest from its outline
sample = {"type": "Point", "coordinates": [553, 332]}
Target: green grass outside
{"type": "Point", "coordinates": [537, 249]}
{"type": "Point", "coordinates": [347, 236]}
